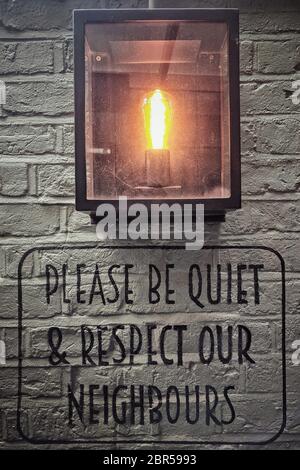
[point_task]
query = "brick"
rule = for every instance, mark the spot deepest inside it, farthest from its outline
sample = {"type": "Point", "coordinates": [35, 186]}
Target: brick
{"type": "Point", "coordinates": [56, 180]}
{"type": "Point", "coordinates": [13, 180]}
{"type": "Point", "coordinates": [292, 334]}
{"type": "Point", "coordinates": [59, 57]}
{"type": "Point", "coordinates": [279, 136]}
{"type": "Point", "coordinates": [293, 421]}
{"type": "Point", "coordinates": [11, 342]}
{"type": "Point", "coordinates": [246, 62]}
{"type": "Point", "coordinates": [262, 339]}
{"type": "Point", "coordinates": [293, 302]}
{"type": "Point", "coordinates": [270, 23]}
{"type": "Point", "coordinates": [13, 256]}
{"type": "Point", "coordinates": [69, 56]}
{"type": "Point", "coordinates": [278, 57]}
{"type": "Point", "coordinates": [110, 376]}
{"type": "Point", "coordinates": [9, 301]}
{"type": "Point", "coordinates": [68, 139]}
{"type": "Point", "coordinates": [256, 415]}
{"type": "Point", "coordinates": [26, 57]}
{"type": "Point", "coordinates": [10, 418]}
{"type": "Point", "coordinates": [9, 382]}
{"type": "Point", "coordinates": [28, 220]}
{"type": "Point", "coordinates": [293, 382]}
{"type": "Point", "coordinates": [184, 431]}
{"type": "Point", "coordinates": [267, 98]}
{"type": "Point", "coordinates": [27, 139]}
{"type": "Point", "coordinates": [35, 381]}
{"type": "Point", "coordinates": [71, 342]}
{"type": "Point", "coordinates": [269, 175]}
{"type": "Point", "coordinates": [47, 98]}
{"type": "Point", "coordinates": [258, 376]}
{"type": "Point", "coordinates": [43, 15]}
{"type": "Point", "coordinates": [248, 137]}
{"type": "Point", "coordinates": [34, 303]}
{"type": "Point", "coordinates": [130, 431]}
{"type": "Point", "coordinates": [263, 216]}
{"type": "Point", "coordinates": [2, 262]}
{"type": "Point", "coordinates": [193, 374]}
{"type": "Point", "coordinates": [52, 423]}
{"type": "Point", "coordinates": [78, 221]}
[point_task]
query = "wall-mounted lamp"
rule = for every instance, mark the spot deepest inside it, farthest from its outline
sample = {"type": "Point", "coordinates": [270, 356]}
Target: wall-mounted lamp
{"type": "Point", "coordinates": [157, 107]}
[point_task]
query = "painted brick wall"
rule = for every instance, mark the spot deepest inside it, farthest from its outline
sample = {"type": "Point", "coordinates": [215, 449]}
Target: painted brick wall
{"type": "Point", "coordinates": [37, 163]}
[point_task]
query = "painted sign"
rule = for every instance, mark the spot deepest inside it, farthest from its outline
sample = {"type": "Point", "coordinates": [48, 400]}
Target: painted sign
{"type": "Point", "coordinates": [152, 344]}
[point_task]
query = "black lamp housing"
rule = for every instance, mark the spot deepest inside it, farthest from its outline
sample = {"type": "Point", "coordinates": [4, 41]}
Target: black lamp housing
{"type": "Point", "coordinates": [157, 108]}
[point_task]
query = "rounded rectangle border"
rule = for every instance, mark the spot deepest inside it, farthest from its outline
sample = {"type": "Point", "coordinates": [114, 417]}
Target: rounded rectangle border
{"type": "Point", "coordinates": [172, 442]}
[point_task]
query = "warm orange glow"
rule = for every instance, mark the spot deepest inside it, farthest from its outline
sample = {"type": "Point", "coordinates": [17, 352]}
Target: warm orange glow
{"type": "Point", "coordinates": [157, 110]}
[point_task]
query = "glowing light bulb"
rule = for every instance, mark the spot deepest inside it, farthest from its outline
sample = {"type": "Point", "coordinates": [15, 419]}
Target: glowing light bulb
{"type": "Point", "coordinates": [157, 112]}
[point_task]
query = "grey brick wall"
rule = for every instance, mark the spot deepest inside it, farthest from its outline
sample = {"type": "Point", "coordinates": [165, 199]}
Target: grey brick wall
{"type": "Point", "coordinates": [37, 182]}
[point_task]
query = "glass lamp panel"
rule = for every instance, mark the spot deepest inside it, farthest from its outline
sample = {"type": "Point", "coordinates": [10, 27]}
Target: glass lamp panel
{"type": "Point", "coordinates": [157, 110]}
